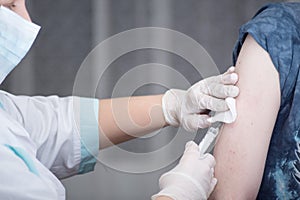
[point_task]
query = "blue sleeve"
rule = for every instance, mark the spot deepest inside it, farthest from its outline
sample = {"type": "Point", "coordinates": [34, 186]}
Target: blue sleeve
{"type": "Point", "coordinates": [89, 133]}
{"type": "Point", "coordinates": [276, 28]}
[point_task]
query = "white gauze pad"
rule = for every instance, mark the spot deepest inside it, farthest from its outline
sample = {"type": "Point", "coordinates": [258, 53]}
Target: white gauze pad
{"type": "Point", "coordinates": [228, 116]}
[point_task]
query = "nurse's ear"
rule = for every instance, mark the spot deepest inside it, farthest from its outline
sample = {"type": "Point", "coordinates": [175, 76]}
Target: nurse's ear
{"type": "Point", "coordinates": [18, 6]}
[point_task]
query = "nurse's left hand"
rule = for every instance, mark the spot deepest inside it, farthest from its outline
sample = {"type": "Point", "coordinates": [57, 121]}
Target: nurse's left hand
{"type": "Point", "coordinates": [193, 178]}
{"type": "Point", "coordinates": [189, 109]}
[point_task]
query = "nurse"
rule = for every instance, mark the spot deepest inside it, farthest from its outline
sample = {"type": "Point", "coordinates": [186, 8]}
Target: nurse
{"type": "Point", "coordinates": [44, 139]}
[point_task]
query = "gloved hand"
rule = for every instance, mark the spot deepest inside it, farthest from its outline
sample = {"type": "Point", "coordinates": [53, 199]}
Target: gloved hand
{"type": "Point", "coordinates": [189, 108]}
{"type": "Point", "coordinates": [192, 179]}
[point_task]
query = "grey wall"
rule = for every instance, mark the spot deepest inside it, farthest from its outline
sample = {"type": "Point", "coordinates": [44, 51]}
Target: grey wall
{"type": "Point", "coordinates": [71, 29]}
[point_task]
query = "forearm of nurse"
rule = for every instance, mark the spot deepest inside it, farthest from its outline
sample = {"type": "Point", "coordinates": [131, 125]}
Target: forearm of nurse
{"type": "Point", "coordinates": [122, 119]}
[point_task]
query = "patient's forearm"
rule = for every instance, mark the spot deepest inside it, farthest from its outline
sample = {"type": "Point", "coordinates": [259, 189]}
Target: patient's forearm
{"type": "Point", "coordinates": [242, 147]}
{"type": "Point", "coordinates": [122, 119]}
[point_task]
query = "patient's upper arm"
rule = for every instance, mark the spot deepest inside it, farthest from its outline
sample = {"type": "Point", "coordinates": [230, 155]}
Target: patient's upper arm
{"type": "Point", "coordinates": [242, 147]}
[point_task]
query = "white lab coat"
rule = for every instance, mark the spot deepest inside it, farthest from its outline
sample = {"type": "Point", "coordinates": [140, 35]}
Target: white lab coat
{"type": "Point", "coordinates": [44, 139]}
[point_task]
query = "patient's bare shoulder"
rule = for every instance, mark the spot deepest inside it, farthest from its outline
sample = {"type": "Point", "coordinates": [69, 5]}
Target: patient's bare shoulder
{"type": "Point", "coordinates": [242, 147]}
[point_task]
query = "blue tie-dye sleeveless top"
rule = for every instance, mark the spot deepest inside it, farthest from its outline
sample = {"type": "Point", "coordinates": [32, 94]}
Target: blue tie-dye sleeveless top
{"type": "Point", "coordinates": [276, 28]}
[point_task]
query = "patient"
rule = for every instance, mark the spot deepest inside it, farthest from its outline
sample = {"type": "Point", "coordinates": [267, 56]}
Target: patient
{"type": "Point", "coordinates": [258, 156]}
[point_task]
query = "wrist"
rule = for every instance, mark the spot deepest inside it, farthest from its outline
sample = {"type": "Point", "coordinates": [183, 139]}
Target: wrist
{"type": "Point", "coordinates": [163, 198]}
{"type": "Point", "coordinates": [167, 110]}
{"type": "Point", "coordinates": [171, 102]}
{"type": "Point", "coordinates": [163, 111]}
{"type": "Point", "coordinates": [179, 185]}
{"type": "Point", "coordinates": [169, 192]}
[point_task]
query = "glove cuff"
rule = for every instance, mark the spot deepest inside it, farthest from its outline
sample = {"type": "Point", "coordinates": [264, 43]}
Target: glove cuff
{"type": "Point", "coordinates": [171, 192]}
{"type": "Point", "coordinates": [177, 193]}
{"type": "Point", "coordinates": [171, 102]}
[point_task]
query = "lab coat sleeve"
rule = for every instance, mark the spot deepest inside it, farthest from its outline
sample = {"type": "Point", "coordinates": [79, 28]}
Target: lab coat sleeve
{"type": "Point", "coordinates": [18, 182]}
{"type": "Point", "coordinates": [64, 130]}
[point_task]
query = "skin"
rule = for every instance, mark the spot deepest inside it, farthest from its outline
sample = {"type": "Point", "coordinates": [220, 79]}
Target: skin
{"type": "Point", "coordinates": [242, 147]}
{"type": "Point", "coordinates": [18, 6]}
{"type": "Point", "coordinates": [123, 119]}
{"type": "Point", "coordinates": [164, 198]}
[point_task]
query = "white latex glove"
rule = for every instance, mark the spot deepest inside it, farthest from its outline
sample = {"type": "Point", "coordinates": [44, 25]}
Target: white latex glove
{"type": "Point", "coordinates": [192, 179]}
{"type": "Point", "coordinates": [189, 109]}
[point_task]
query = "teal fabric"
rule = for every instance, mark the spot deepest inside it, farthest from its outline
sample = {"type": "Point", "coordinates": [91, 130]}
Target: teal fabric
{"type": "Point", "coordinates": [276, 28]}
{"type": "Point", "coordinates": [21, 153]}
{"type": "Point", "coordinates": [89, 134]}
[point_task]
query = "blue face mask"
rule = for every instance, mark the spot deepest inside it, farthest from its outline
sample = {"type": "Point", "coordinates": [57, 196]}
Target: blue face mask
{"type": "Point", "coordinates": [16, 38]}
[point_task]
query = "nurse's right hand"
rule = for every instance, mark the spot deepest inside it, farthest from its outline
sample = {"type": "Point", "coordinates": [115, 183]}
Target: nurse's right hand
{"type": "Point", "coordinates": [192, 179]}
{"type": "Point", "coordinates": [189, 109]}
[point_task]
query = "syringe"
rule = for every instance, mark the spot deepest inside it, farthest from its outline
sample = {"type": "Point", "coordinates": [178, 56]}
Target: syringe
{"type": "Point", "coordinates": [208, 142]}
